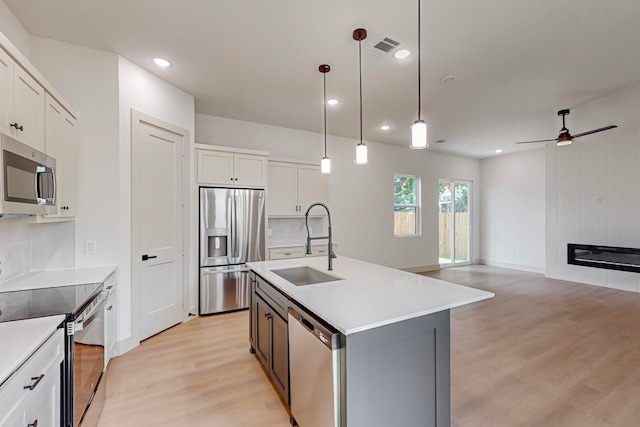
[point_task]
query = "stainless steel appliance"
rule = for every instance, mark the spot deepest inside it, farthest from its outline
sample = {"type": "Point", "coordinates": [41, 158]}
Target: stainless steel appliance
{"type": "Point", "coordinates": [27, 180]}
{"type": "Point", "coordinates": [232, 222]}
{"type": "Point", "coordinates": [315, 371]}
{"type": "Point", "coordinates": [82, 371]}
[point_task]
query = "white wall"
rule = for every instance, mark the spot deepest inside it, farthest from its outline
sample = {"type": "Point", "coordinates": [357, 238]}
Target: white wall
{"type": "Point", "coordinates": [142, 91]}
{"type": "Point", "coordinates": [104, 88]}
{"type": "Point", "coordinates": [14, 31]}
{"type": "Point", "coordinates": [512, 211]}
{"type": "Point", "coordinates": [361, 197]}
{"type": "Point", "coordinates": [592, 192]}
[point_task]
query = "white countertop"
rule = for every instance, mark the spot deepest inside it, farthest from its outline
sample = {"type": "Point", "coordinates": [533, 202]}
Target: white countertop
{"type": "Point", "coordinates": [21, 338]}
{"type": "Point", "coordinates": [370, 295]}
{"type": "Point", "coordinates": [56, 278]}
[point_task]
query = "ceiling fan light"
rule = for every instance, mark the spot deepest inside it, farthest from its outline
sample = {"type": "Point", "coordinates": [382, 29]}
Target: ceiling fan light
{"type": "Point", "coordinates": [361, 154]}
{"type": "Point", "coordinates": [419, 135]}
{"type": "Point", "coordinates": [564, 139]}
{"type": "Point", "coordinates": [325, 165]}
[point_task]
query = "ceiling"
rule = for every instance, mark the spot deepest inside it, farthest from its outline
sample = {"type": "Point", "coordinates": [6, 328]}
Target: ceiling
{"type": "Point", "coordinates": [516, 62]}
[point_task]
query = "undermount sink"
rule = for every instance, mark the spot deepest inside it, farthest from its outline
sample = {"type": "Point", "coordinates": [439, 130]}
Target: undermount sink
{"type": "Point", "coordinates": [301, 276]}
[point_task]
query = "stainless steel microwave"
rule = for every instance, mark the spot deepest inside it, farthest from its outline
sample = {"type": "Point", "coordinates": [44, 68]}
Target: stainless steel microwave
{"type": "Point", "coordinates": [27, 181]}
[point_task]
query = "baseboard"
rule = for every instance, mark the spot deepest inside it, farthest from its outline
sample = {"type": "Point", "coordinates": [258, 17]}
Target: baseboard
{"type": "Point", "coordinates": [422, 268]}
{"type": "Point", "coordinates": [125, 345]}
{"type": "Point", "coordinates": [529, 268]}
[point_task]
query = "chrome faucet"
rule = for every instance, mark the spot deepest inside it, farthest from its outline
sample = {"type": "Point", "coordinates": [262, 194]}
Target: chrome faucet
{"type": "Point", "coordinates": [309, 238]}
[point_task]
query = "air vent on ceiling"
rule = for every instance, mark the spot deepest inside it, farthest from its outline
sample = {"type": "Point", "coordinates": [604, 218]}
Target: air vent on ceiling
{"type": "Point", "coordinates": [384, 46]}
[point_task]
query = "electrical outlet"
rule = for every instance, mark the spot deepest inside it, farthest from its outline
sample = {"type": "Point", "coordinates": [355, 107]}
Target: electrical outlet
{"type": "Point", "coordinates": [310, 230]}
{"type": "Point", "coordinates": [90, 246]}
{"type": "Point", "coordinates": [269, 232]}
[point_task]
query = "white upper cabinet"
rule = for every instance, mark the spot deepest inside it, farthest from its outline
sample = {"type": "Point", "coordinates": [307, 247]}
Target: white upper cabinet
{"type": "Point", "coordinates": [282, 197]}
{"type": "Point", "coordinates": [228, 168]}
{"type": "Point", "coordinates": [295, 186]}
{"type": "Point", "coordinates": [21, 104]}
{"type": "Point", "coordinates": [6, 92]}
{"type": "Point", "coordinates": [61, 144]}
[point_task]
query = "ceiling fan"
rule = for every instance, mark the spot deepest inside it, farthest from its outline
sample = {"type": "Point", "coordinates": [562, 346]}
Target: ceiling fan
{"type": "Point", "coordinates": [565, 138]}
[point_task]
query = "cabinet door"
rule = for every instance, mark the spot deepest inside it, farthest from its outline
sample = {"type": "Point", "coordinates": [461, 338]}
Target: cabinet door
{"type": "Point", "coordinates": [250, 170]}
{"type": "Point", "coordinates": [252, 311]}
{"type": "Point", "coordinates": [283, 184]}
{"type": "Point", "coordinates": [43, 407]}
{"type": "Point", "coordinates": [61, 144]}
{"type": "Point", "coordinates": [109, 328]}
{"type": "Point", "coordinates": [215, 167]}
{"type": "Point", "coordinates": [28, 109]}
{"type": "Point", "coordinates": [14, 416]}
{"type": "Point", "coordinates": [6, 93]}
{"type": "Point", "coordinates": [279, 370]}
{"type": "Point", "coordinates": [312, 187]}
{"type": "Point", "coordinates": [263, 332]}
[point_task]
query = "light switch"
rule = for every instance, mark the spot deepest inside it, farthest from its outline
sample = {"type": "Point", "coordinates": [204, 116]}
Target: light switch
{"type": "Point", "coordinates": [90, 246]}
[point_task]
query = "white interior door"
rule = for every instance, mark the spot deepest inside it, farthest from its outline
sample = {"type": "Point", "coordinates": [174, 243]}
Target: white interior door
{"type": "Point", "coordinates": [157, 205]}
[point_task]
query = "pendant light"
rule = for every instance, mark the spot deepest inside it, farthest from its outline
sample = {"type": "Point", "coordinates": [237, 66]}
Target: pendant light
{"type": "Point", "coordinates": [325, 165]}
{"type": "Point", "coordinates": [360, 34]}
{"type": "Point", "coordinates": [419, 132]}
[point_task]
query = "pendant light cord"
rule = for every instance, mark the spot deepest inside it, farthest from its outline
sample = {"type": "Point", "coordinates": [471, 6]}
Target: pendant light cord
{"type": "Point", "coordinates": [324, 75]}
{"type": "Point", "coordinates": [360, 71]}
{"type": "Point", "coordinates": [419, 87]}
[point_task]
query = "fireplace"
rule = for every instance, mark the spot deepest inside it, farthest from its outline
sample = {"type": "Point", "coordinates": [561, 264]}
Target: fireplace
{"type": "Point", "coordinates": [609, 257]}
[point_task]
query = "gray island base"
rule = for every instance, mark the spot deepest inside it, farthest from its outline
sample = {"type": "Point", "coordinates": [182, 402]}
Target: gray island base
{"type": "Point", "coordinates": [387, 339]}
{"type": "Point", "coordinates": [399, 374]}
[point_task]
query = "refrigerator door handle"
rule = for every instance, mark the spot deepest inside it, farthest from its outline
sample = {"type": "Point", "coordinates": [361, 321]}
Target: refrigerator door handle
{"type": "Point", "coordinates": [241, 220]}
{"type": "Point", "coordinates": [230, 226]}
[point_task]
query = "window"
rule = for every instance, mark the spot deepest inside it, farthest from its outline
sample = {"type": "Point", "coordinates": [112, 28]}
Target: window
{"type": "Point", "coordinates": [406, 205]}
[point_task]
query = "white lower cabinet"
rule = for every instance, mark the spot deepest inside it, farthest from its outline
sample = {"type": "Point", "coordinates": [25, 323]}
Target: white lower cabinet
{"type": "Point", "coordinates": [31, 396]}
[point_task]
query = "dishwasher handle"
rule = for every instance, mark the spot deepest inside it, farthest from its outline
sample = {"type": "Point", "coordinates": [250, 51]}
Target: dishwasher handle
{"type": "Point", "coordinates": [328, 336]}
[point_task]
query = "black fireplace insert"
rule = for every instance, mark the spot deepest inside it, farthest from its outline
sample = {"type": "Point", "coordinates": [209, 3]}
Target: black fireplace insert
{"type": "Point", "coordinates": [609, 257]}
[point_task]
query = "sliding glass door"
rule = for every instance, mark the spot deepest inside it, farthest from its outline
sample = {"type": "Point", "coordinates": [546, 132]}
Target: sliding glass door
{"type": "Point", "coordinates": [454, 223]}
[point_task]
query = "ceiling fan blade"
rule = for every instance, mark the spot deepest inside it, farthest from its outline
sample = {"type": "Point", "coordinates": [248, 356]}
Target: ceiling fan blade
{"type": "Point", "coordinates": [541, 140]}
{"type": "Point", "coordinates": [594, 131]}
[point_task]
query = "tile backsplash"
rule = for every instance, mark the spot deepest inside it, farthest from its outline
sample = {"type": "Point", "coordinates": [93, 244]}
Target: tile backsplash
{"type": "Point", "coordinates": [292, 231]}
{"type": "Point", "coordinates": [14, 248]}
{"type": "Point", "coordinates": [26, 246]}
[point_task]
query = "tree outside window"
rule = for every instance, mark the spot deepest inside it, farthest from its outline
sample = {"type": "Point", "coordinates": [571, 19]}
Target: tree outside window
{"type": "Point", "coordinates": [406, 209]}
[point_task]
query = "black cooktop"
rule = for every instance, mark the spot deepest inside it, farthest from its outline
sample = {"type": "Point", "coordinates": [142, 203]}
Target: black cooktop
{"type": "Point", "coordinates": [27, 304]}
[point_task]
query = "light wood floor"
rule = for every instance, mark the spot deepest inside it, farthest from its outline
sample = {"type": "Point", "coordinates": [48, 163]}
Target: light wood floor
{"type": "Point", "coordinates": [541, 353]}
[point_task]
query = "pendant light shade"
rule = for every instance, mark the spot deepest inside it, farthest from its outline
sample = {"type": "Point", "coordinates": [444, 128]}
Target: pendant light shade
{"type": "Point", "coordinates": [360, 34]}
{"type": "Point", "coordinates": [325, 165]}
{"type": "Point", "coordinates": [419, 133]}
{"type": "Point", "coordinates": [361, 154]}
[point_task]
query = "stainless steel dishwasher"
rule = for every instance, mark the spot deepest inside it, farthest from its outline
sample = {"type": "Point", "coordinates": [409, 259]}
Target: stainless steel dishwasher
{"type": "Point", "coordinates": [316, 371]}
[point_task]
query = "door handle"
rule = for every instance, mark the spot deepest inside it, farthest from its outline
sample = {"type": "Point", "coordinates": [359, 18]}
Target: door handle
{"type": "Point", "coordinates": [147, 257]}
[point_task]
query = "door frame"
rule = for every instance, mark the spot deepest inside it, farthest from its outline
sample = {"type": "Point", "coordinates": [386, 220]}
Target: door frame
{"type": "Point", "coordinates": [136, 118]}
{"type": "Point", "coordinates": [452, 239]}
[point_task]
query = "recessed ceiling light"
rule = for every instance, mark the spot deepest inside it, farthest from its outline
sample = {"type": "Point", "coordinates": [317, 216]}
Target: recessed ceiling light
{"type": "Point", "coordinates": [332, 101]}
{"type": "Point", "coordinates": [448, 79]}
{"type": "Point", "coordinates": [498, 151]}
{"type": "Point", "coordinates": [401, 54]}
{"type": "Point", "coordinates": [385, 127]}
{"type": "Point", "coordinates": [160, 62]}
{"type": "Point", "coordinates": [441, 141]}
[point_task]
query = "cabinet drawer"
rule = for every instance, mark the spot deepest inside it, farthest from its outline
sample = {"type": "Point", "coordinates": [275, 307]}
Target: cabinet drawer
{"type": "Point", "coordinates": [273, 297]}
{"type": "Point", "coordinates": [44, 363]}
{"type": "Point", "coordinates": [284, 253]}
{"type": "Point", "coordinates": [321, 250]}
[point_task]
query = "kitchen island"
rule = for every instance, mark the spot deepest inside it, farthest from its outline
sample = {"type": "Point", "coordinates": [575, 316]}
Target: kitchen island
{"type": "Point", "coordinates": [392, 366]}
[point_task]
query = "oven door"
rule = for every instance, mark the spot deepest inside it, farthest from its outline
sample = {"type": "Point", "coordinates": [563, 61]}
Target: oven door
{"type": "Point", "coordinates": [88, 364]}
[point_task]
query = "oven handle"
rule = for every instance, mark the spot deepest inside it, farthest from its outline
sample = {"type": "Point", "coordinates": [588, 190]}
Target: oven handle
{"type": "Point", "coordinates": [80, 324]}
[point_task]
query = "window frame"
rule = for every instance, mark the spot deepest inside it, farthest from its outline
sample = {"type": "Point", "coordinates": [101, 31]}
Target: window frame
{"type": "Point", "coordinates": [417, 205]}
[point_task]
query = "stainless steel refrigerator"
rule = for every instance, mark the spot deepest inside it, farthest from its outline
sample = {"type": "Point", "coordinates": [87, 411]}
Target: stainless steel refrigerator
{"type": "Point", "coordinates": [232, 233]}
